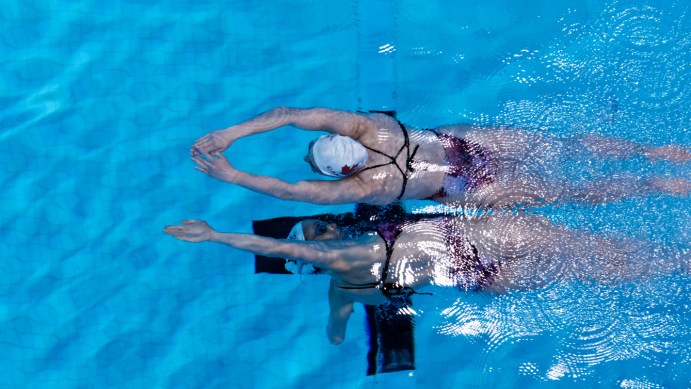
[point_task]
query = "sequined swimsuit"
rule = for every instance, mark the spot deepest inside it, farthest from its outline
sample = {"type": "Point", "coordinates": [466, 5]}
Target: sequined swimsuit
{"type": "Point", "coordinates": [470, 166]}
{"type": "Point", "coordinates": [467, 270]}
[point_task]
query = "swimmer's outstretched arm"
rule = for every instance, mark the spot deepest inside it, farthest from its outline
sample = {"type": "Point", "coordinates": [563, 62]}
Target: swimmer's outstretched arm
{"type": "Point", "coordinates": [608, 147]}
{"type": "Point", "coordinates": [324, 254]}
{"type": "Point", "coordinates": [315, 119]}
{"type": "Point", "coordinates": [343, 191]}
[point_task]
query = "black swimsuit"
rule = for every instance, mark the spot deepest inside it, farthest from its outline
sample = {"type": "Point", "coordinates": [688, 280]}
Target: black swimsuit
{"type": "Point", "coordinates": [470, 165]}
{"type": "Point", "coordinates": [392, 159]}
{"type": "Point", "coordinates": [467, 270]}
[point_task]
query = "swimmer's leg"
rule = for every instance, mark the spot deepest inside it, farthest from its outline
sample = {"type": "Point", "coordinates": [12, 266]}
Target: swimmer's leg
{"type": "Point", "coordinates": [608, 147]}
{"type": "Point", "coordinates": [534, 252]}
{"type": "Point", "coordinates": [618, 187]}
{"type": "Point", "coordinates": [521, 184]}
{"type": "Point", "coordinates": [673, 153]}
{"type": "Point", "coordinates": [611, 260]}
{"type": "Point", "coordinates": [516, 143]}
{"type": "Point", "coordinates": [512, 144]}
{"type": "Point", "coordinates": [529, 249]}
{"type": "Point", "coordinates": [537, 190]}
{"type": "Point", "coordinates": [674, 186]}
{"type": "Point", "coordinates": [508, 193]}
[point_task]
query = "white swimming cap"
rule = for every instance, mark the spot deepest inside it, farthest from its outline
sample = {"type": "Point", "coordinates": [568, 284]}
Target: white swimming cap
{"type": "Point", "coordinates": [292, 265]}
{"type": "Point", "coordinates": [338, 155]}
{"type": "Point", "coordinates": [297, 232]}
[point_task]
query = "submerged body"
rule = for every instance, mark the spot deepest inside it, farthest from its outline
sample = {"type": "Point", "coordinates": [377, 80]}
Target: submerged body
{"type": "Point", "coordinates": [489, 254]}
{"type": "Point", "coordinates": [459, 165]}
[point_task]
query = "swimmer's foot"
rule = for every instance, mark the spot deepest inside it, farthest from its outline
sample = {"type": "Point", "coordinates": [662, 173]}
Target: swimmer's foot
{"type": "Point", "coordinates": [671, 153]}
{"type": "Point", "coordinates": [676, 186]}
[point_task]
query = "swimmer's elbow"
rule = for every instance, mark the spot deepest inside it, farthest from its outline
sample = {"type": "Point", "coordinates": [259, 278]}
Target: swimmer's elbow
{"type": "Point", "coordinates": [336, 336]}
{"type": "Point", "coordinates": [336, 340]}
{"type": "Point", "coordinates": [308, 198]}
{"type": "Point", "coordinates": [282, 110]}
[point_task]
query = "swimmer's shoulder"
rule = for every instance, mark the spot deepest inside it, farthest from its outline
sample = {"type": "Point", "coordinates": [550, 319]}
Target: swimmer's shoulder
{"type": "Point", "coordinates": [377, 120]}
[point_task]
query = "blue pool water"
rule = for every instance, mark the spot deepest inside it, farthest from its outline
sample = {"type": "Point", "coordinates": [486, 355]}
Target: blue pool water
{"type": "Point", "coordinates": [101, 102]}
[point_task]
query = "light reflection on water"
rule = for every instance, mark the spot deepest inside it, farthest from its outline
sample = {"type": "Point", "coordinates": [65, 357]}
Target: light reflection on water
{"type": "Point", "coordinates": [102, 103]}
{"type": "Point", "coordinates": [624, 72]}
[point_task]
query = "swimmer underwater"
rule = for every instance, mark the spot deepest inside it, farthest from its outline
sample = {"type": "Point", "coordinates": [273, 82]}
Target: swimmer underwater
{"type": "Point", "coordinates": [378, 160]}
{"type": "Point", "coordinates": [388, 262]}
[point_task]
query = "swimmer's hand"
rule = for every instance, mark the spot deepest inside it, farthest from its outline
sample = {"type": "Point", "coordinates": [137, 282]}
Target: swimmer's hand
{"type": "Point", "coordinates": [191, 231]}
{"type": "Point", "coordinates": [213, 142]}
{"type": "Point", "coordinates": [216, 166]}
{"type": "Point", "coordinates": [671, 153]}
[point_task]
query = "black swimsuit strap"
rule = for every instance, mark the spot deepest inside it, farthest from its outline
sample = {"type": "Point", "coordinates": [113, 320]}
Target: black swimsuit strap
{"type": "Point", "coordinates": [389, 253]}
{"type": "Point", "coordinates": [391, 289]}
{"type": "Point", "coordinates": [408, 162]}
{"type": "Point", "coordinates": [388, 289]}
{"type": "Point", "coordinates": [381, 284]}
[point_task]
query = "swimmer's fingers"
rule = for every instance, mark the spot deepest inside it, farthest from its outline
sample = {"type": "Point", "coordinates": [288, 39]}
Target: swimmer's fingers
{"type": "Point", "coordinates": [203, 146]}
{"type": "Point", "coordinates": [211, 161]}
{"type": "Point", "coordinates": [190, 231]}
{"type": "Point", "coordinates": [201, 161]}
{"type": "Point", "coordinates": [201, 139]}
{"type": "Point", "coordinates": [204, 138]}
{"type": "Point", "coordinates": [172, 230]}
{"type": "Point", "coordinates": [179, 228]}
{"type": "Point", "coordinates": [206, 154]}
{"type": "Point", "coordinates": [196, 150]}
{"type": "Point", "coordinates": [217, 166]}
{"type": "Point", "coordinates": [220, 156]}
{"type": "Point", "coordinates": [203, 169]}
{"type": "Point", "coordinates": [222, 162]}
{"type": "Point", "coordinates": [213, 142]}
